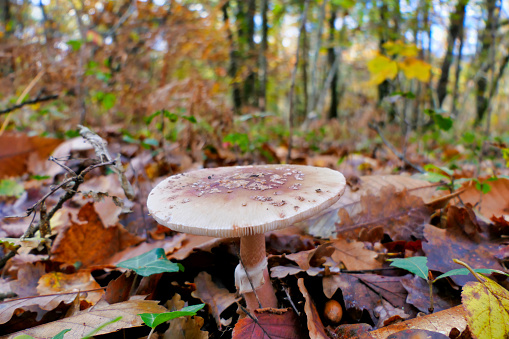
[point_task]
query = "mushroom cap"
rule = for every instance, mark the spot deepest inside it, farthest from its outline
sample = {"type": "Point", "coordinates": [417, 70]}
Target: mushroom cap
{"type": "Point", "coordinates": [243, 200]}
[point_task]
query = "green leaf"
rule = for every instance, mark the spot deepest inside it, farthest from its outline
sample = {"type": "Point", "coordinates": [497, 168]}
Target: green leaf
{"type": "Point", "coordinates": [415, 265]}
{"type": "Point", "coordinates": [100, 327]}
{"type": "Point", "coordinates": [468, 137]}
{"type": "Point", "coordinates": [483, 188]}
{"type": "Point", "coordinates": [10, 188]}
{"type": "Point", "coordinates": [60, 335]}
{"type": "Point", "coordinates": [75, 44]}
{"type": "Point", "coordinates": [39, 177]}
{"type": "Point", "coordinates": [108, 100]}
{"type": "Point", "coordinates": [189, 118]}
{"type": "Point", "coordinates": [171, 116]}
{"type": "Point", "coordinates": [24, 336]}
{"type": "Point", "coordinates": [435, 177]}
{"type": "Point", "coordinates": [151, 117]}
{"type": "Point", "coordinates": [154, 319]}
{"type": "Point", "coordinates": [464, 271]}
{"type": "Point", "coordinates": [444, 123]}
{"type": "Point", "coordinates": [152, 262]}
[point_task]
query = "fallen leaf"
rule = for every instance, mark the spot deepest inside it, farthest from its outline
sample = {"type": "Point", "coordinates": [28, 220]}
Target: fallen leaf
{"type": "Point", "coordinates": [365, 291]}
{"type": "Point", "coordinates": [388, 314]}
{"type": "Point", "coordinates": [401, 215]}
{"type": "Point", "coordinates": [28, 279]}
{"type": "Point", "coordinates": [314, 323]}
{"type": "Point", "coordinates": [417, 334]}
{"type": "Point", "coordinates": [312, 258]}
{"type": "Point", "coordinates": [217, 298]}
{"type": "Point", "coordinates": [494, 203]}
{"type": "Point", "coordinates": [118, 289]}
{"type": "Point", "coordinates": [183, 327]}
{"type": "Point", "coordinates": [442, 322]}
{"type": "Point", "coordinates": [88, 320]}
{"type": "Point", "coordinates": [418, 295]}
{"type": "Point", "coordinates": [354, 256]}
{"type": "Point", "coordinates": [84, 242]}
{"type": "Point", "coordinates": [281, 325]}
{"type": "Point", "coordinates": [24, 154]}
{"type": "Point", "coordinates": [443, 245]}
{"type": "Point", "coordinates": [324, 225]}
{"type": "Point", "coordinates": [352, 331]}
{"type": "Point", "coordinates": [487, 308]}
{"type": "Point", "coordinates": [57, 282]}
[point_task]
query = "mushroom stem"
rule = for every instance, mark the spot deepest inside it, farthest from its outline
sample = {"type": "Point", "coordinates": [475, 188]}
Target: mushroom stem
{"type": "Point", "coordinates": [252, 253]}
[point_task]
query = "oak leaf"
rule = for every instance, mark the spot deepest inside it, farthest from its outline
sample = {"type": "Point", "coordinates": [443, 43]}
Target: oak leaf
{"type": "Point", "coordinates": [281, 325]}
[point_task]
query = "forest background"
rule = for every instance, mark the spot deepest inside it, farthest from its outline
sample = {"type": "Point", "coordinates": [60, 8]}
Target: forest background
{"type": "Point", "coordinates": [369, 88]}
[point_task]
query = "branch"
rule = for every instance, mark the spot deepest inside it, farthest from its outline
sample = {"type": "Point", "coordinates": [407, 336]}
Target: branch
{"type": "Point", "coordinates": [29, 102]}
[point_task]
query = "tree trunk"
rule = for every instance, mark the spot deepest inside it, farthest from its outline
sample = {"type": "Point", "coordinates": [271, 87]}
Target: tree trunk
{"type": "Point", "coordinates": [250, 55]}
{"type": "Point", "coordinates": [457, 19]}
{"type": "Point", "coordinates": [233, 68]}
{"type": "Point", "coordinates": [333, 110]}
{"type": "Point", "coordinates": [262, 93]}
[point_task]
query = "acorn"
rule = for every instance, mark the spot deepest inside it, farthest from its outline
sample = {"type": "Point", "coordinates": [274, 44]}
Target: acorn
{"type": "Point", "coordinates": [333, 311]}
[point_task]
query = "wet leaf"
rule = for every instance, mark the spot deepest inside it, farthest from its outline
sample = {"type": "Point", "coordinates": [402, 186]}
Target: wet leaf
{"type": "Point", "coordinates": [152, 262]}
{"type": "Point", "coordinates": [487, 308]}
{"type": "Point", "coordinates": [217, 298]}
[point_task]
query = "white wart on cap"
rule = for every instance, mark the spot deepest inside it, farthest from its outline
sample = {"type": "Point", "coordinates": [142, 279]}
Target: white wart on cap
{"type": "Point", "coordinates": [243, 200]}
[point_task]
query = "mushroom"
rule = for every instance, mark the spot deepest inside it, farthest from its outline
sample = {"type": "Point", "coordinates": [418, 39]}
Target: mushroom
{"type": "Point", "coordinates": [245, 202]}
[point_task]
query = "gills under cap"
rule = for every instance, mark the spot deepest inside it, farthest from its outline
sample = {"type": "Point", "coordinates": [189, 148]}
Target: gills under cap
{"type": "Point", "coordinates": [243, 200]}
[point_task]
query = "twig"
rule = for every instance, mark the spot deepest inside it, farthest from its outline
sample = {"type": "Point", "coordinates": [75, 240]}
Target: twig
{"type": "Point", "coordinates": [20, 98]}
{"type": "Point", "coordinates": [401, 156]}
{"type": "Point", "coordinates": [29, 102]}
{"type": "Point", "coordinates": [294, 75]}
{"type": "Point", "coordinates": [290, 300]}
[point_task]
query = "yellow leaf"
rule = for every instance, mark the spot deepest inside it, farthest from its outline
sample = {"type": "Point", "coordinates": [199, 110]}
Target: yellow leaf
{"type": "Point", "coordinates": [398, 47]}
{"type": "Point", "coordinates": [382, 68]}
{"type": "Point", "coordinates": [415, 68]}
{"type": "Point", "coordinates": [487, 308]}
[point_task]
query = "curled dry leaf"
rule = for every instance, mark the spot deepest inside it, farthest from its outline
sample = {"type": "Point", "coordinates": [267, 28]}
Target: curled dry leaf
{"type": "Point", "coordinates": [84, 242]}
{"type": "Point", "coordinates": [324, 225]}
{"type": "Point", "coordinates": [217, 298]}
{"type": "Point", "coordinates": [85, 321]}
{"type": "Point", "coordinates": [312, 258]}
{"type": "Point", "coordinates": [315, 325]}
{"type": "Point", "coordinates": [442, 322]}
{"type": "Point", "coordinates": [388, 314]}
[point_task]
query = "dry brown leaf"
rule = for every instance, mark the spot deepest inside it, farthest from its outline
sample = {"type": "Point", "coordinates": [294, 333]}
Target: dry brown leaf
{"type": "Point", "coordinates": [183, 327]}
{"type": "Point", "coordinates": [24, 154]}
{"type": "Point", "coordinates": [86, 321]}
{"type": "Point", "coordinates": [418, 295]}
{"type": "Point", "coordinates": [281, 325]}
{"type": "Point", "coordinates": [57, 282]}
{"type": "Point", "coordinates": [28, 279]}
{"type": "Point", "coordinates": [443, 245]}
{"type": "Point", "coordinates": [217, 298]}
{"type": "Point", "coordinates": [192, 242]}
{"type": "Point", "coordinates": [354, 256]}
{"type": "Point", "coordinates": [388, 314]}
{"type": "Point", "coordinates": [494, 203]}
{"type": "Point", "coordinates": [312, 258]}
{"type": "Point", "coordinates": [442, 322]}
{"type": "Point", "coordinates": [323, 226]}
{"type": "Point", "coordinates": [401, 215]}
{"type": "Point", "coordinates": [85, 242]}
{"type": "Point", "coordinates": [314, 323]}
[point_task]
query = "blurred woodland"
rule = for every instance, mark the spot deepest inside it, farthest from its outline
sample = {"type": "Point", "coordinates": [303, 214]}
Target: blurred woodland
{"type": "Point", "coordinates": [406, 98]}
